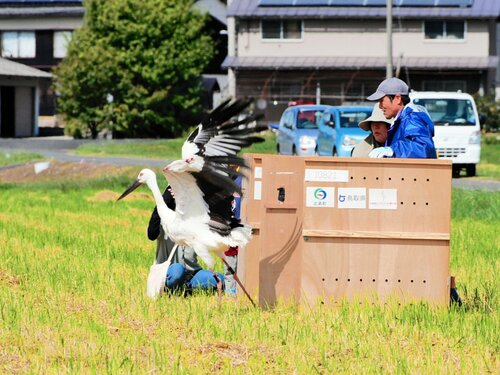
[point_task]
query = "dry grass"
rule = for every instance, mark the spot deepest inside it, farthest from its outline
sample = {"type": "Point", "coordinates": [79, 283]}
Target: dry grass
{"type": "Point", "coordinates": [61, 172]}
{"type": "Point", "coordinates": [72, 300]}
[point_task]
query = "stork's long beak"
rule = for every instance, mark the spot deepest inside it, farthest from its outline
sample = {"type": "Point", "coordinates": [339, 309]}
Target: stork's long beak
{"type": "Point", "coordinates": [130, 189]}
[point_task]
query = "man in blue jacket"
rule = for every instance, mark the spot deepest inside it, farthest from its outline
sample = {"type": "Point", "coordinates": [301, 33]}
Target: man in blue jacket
{"type": "Point", "coordinates": [411, 134]}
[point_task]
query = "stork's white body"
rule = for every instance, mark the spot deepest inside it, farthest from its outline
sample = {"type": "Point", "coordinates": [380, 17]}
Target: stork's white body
{"type": "Point", "coordinates": [188, 224]}
{"type": "Point", "coordinates": [204, 223]}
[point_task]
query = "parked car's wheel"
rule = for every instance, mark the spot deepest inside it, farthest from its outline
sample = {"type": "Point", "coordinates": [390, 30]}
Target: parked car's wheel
{"type": "Point", "coordinates": [334, 152]}
{"type": "Point", "coordinates": [471, 170]}
{"type": "Point", "coordinates": [278, 148]}
{"type": "Point", "coordinates": [294, 151]}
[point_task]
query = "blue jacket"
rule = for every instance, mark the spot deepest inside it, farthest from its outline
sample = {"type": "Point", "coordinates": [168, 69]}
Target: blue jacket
{"type": "Point", "coordinates": [411, 134]}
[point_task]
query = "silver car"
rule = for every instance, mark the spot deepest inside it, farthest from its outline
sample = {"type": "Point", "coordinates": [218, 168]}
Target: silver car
{"type": "Point", "coordinates": [298, 130]}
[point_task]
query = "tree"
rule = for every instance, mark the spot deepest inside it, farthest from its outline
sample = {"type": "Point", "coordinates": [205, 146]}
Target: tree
{"type": "Point", "coordinates": [488, 107]}
{"type": "Point", "coordinates": [134, 67]}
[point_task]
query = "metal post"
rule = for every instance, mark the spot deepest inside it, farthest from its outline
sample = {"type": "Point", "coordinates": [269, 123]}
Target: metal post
{"type": "Point", "coordinates": [318, 93]}
{"type": "Point", "coordinates": [388, 23]}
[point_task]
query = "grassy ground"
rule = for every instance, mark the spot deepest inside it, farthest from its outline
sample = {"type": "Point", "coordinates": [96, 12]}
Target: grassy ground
{"type": "Point", "coordinates": [162, 149]}
{"type": "Point", "coordinates": [10, 158]}
{"type": "Point", "coordinates": [488, 168]}
{"type": "Point", "coordinates": [168, 149]}
{"type": "Point", "coordinates": [72, 299]}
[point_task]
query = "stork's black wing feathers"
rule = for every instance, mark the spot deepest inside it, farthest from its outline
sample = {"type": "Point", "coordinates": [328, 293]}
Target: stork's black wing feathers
{"type": "Point", "coordinates": [217, 172]}
{"type": "Point", "coordinates": [224, 112]}
{"type": "Point", "coordinates": [218, 139]}
{"type": "Point", "coordinates": [219, 134]}
{"type": "Point", "coordinates": [216, 181]}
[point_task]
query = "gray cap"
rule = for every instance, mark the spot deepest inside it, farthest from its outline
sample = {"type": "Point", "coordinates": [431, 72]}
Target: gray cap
{"type": "Point", "coordinates": [389, 86]}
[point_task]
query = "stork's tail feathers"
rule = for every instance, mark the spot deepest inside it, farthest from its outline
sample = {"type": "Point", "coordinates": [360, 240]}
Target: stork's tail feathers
{"type": "Point", "coordinates": [241, 236]}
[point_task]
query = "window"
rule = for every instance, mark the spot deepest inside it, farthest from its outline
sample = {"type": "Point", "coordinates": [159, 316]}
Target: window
{"type": "Point", "coordinates": [449, 111]}
{"type": "Point", "coordinates": [281, 29]}
{"type": "Point", "coordinates": [352, 119]}
{"type": "Point", "coordinates": [61, 41]}
{"type": "Point", "coordinates": [308, 119]}
{"type": "Point", "coordinates": [444, 29]}
{"type": "Point", "coordinates": [288, 120]}
{"type": "Point", "coordinates": [329, 119]}
{"type": "Point", "coordinates": [19, 44]}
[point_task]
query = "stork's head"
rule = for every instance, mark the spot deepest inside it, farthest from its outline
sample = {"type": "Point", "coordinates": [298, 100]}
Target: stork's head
{"type": "Point", "coordinates": [145, 176]}
{"type": "Point", "coordinates": [191, 164]}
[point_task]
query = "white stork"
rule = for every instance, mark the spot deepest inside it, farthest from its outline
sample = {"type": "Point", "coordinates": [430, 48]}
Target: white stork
{"type": "Point", "coordinates": [203, 186]}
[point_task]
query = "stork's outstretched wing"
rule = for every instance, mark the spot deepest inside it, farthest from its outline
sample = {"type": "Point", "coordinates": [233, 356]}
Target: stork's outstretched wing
{"type": "Point", "coordinates": [217, 140]}
{"type": "Point", "coordinates": [221, 135]}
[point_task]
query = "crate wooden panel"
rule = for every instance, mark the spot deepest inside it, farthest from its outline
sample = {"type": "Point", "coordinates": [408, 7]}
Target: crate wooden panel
{"type": "Point", "coordinates": [300, 249]}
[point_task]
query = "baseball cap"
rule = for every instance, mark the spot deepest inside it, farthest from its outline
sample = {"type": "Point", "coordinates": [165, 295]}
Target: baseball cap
{"type": "Point", "coordinates": [377, 116]}
{"type": "Point", "coordinates": [389, 86]}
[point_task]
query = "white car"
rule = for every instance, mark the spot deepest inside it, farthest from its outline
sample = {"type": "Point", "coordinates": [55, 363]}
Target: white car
{"type": "Point", "coordinates": [457, 129]}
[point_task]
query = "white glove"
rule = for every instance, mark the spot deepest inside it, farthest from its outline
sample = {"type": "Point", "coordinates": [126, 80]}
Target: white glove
{"type": "Point", "coordinates": [381, 152]}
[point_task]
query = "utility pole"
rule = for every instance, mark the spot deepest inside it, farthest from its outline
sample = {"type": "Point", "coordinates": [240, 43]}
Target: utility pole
{"type": "Point", "coordinates": [388, 26]}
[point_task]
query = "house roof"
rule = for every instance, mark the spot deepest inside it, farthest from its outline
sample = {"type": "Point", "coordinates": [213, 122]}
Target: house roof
{"type": "Point", "coordinates": [326, 62]}
{"type": "Point", "coordinates": [39, 2]}
{"type": "Point", "coordinates": [14, 69]}
{"type": "Point", "coordinates": [254, 9]}
{"type": "Point", "coordinates": [26, 8]}
{"type": "Point", "coordinates": [42, 11]}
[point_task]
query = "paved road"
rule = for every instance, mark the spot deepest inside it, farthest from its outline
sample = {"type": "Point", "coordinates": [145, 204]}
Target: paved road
{"type": "Point", "coordinates": [59, 147]}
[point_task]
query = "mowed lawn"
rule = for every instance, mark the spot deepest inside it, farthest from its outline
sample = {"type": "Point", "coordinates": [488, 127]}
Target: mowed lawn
{"type": "Point", "coordinates": [169, 149]}
{"type": "Point", "coordinates": [72, 300]}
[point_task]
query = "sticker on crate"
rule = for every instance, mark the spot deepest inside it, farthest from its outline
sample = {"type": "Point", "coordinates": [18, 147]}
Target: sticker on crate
{"type": "Point", "coordinates": [320, 196]}
{"type": "Point", "coordinates": [351, 198]}
{"type": "Point", "coordinates": [326, 175]}
{"type": "Point", "coordinates": [383, 199]}
{"type": "Point", "coordinates": [257, 190]}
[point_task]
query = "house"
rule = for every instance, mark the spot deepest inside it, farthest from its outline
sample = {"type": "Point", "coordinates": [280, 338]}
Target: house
{"type": "Point", "coordinates": [36, 33]}
{"type": "Point", "coordinates": [334, 51]}
{"type": "Point", "coordinates": [19, 98]}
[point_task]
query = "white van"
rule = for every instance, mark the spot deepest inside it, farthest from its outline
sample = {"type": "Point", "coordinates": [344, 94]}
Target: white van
{"type": "Point", "coordinates": [457, 129]}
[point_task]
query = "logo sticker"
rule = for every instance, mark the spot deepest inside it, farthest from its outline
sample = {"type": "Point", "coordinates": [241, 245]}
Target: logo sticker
{"type": "Point", "coordinates": [320, 196]}
{"type": "Point", "coordinates": [383, 199]}
{"type": "Point", "coordinates": [351, 198]}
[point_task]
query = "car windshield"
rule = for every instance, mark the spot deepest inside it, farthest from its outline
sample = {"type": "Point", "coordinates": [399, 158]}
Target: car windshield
{"type": "Point", "coordinates": [308, 119]}
{"type": "Point", "coordinates": [449, 111]}
{"type": "Point", "coordinates": [352, 119]}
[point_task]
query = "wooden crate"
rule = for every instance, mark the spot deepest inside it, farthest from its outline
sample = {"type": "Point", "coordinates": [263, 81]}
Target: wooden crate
{"type": "Point", "coordinates": [333, 228]}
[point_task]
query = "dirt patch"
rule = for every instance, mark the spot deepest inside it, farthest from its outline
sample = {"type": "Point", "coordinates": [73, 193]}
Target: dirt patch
{"type": "Point", "coordinates": [8, 279]}
{"type": "Point", "coordinates": [238, 354]}
{"type": "Point", "coordinates": [61, 171]}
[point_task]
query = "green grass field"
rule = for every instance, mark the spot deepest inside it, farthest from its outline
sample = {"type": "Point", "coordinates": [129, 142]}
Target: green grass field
{"type": "Point", "coordinates": [10, 158]}
{"type": "Point", "coordinates": [488, 168]}
{"type": "Point", "coordinates": [72, 300]}
{"type": "Point", "coordinates": [168, 149]}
